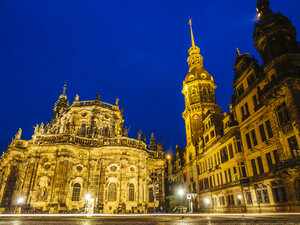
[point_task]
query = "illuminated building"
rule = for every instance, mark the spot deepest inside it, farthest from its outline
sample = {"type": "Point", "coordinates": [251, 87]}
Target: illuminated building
{"type": "Point", "coordinates": [247, 160]}
{"type": "Point", "coordinates": [83, 161]}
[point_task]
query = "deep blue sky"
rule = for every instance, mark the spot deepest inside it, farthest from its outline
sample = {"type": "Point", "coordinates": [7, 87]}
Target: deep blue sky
{"type": "Point", "coordinates": [133, 50]}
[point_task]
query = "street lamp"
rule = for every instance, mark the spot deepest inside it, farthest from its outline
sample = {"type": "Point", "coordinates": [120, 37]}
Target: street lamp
{"type": "Point", "coordinates": [181, 193]}
{"type": "Point", "coordinates": [20, 200]}
{"type": "Point", "coordinates": [207, 201]}
{"type": "Point", "coordinates": [87, 198]}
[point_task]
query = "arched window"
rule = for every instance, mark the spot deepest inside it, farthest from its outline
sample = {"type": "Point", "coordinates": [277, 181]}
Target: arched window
{"type": "Point", "coordinates": [112, 192]}
{"type": "Point", "coordinates": [151, 196]}
{"type": "Point", "coordinates": [131, 192]}
{"type": "Point", "coordinates": [76, 192]}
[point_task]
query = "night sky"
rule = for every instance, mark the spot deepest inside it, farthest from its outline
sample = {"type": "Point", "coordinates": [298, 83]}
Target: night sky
{"type": "Point", "coordinates": [132, 50]}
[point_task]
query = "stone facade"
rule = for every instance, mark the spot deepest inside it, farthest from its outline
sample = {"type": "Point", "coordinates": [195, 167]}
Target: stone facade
{"type": "Point", "coordinates": [82, 161]}
{"type": "Point", "coordinates": [246, 160]}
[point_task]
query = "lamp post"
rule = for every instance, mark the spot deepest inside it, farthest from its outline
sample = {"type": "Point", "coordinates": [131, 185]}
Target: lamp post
{"type": "Point", "coordinates": [19, 202]}
{"type": "Point", "coordinates": [87, 198]}
{"type": "Point", "coordinates": [181, 193]}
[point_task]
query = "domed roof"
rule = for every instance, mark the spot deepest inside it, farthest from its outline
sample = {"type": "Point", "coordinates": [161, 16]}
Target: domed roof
{"type": "Point", "coordinates": [198, 74]}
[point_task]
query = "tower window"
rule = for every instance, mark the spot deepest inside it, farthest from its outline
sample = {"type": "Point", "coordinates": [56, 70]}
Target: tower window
{"type": "Point", "coordinates": [112, 192]}
{"type": "Point", "coordinates": [131, 192]}
{"type": "Point", "coordinates": [76, 192]}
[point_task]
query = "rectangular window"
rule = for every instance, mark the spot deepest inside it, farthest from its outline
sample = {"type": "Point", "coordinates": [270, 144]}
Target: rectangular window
{"type": "Point", "coordinates": [239, 146]}
{"type": "Point", "coordinates": [279, 194]}
{"type": "Point", "coordinates": [221, 178]}
{"type": "Point", "coordinates": [283, 114]}
{"type": "Point", "coordinates": [260, 165]}
{"type": "Point", "coordinates": [266, 195]}
{"type": "Point", "coordinates": [218, 179]}
{"type": "Point", "coordinates": [229, 175]}
{"type": "Point", "coordinates": [243, 171]}
{"type": "Point", "coordinates": [235, 175]}
{"type": "Point", "coordinates": [294, 147]}
{"type": "Point", "coordinates": [255, 102]}
{"type": "Point", "coordinates": [206, 139]}
{"type": "Point", "coordinates": [240, 89]}
{"type": "Point", "coordinates": [226, 179]}
{"type": "Point", "coordinates": [247, 109]}
{"type": "Point", "coordinates": [212, 134]}
{"type": "Point", "coordinates": [276, 156]}
{"type": "Point", "coordinates": [254, 170]}
{"type": "Point", "coordinates": [230, 151]}
{"type": "Point", "coordinates": [248, 197]}
{"type": "Point", "coordinates": [262, 133]}
{"type": "Point", "coordinates": [251, 79]}
{"type": "Point", "coordinates": [254, 139]}
{"type": "Point", "coordinates": [269, 129]}
{"type": "Point", "coordinates": [269, 161]}
{"type": "Point", "coordinates": [248, 141]}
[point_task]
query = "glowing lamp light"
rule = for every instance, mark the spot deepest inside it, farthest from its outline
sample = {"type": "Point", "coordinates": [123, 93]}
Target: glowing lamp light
{"type": "Point", "coordinates": [185, 88]}
{"type": "Point", "coordinates": [87, 196]}
{"type": "Point", "coordinates": [259, 15]}
{"type": "Point", "coordinates": [206, 201]}
{"type": "Point", "coordinates": [180, 192]}
{"type": "Point", "coordinates": [239, 197]}
{"type": "Point", "coordinates": [20, 200]}
{"type": "Point", "coordinates": [168, 156]}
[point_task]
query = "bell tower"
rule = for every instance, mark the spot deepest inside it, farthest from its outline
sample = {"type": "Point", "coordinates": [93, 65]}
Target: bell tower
{"type": "Point", "coordinates": [199, 94]}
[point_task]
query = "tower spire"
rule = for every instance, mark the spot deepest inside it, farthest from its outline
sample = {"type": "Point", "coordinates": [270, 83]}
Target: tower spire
{"type": "Point", "coordinates": [195, 59]}
{"type": "Point", "coordinates": [63, 95]}
{"type": "Point", "coordinates": [192, 35]}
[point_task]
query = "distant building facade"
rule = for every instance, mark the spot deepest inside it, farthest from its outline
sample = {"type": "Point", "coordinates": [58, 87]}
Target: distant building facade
{"type": "Point", "coordinates": [247, 160]}
{"type": "Point", "coordinates": [83, 161]}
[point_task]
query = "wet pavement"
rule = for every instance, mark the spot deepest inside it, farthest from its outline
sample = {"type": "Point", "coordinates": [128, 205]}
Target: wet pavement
{"type": "Point", "coordinates": [155, 220]}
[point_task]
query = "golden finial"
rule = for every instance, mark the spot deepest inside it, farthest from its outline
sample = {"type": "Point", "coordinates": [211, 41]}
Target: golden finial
{"type": "Point", "coordinates": [238, 51]}
{"type": "Point", "coordinates": [192, 36]}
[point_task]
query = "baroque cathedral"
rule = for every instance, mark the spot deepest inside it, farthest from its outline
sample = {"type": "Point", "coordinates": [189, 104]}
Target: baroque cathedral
{"type": "Point", "coordinates": [246, 160]}
{"type": "Point", "coordinates": [82, 162]}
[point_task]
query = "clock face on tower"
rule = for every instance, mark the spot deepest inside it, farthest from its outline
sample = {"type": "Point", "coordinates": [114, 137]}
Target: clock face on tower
{"type": "Point", "coordinates": [196, 117]}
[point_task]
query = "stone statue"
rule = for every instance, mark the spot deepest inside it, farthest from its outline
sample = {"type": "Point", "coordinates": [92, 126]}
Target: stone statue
{"type": "Point", "coordinates": [144, 139]}
{"type": "Point", "coordinates": [42, 128]}
{"type": "Point", "coordinates": [160, 146]}
{"type": "Point", "coordinates": [98, 96]}
{"type": "Point", "coordinates": [139, 136]}
{"type": "Point", "coordinates": [18, 135]}
{"type": "Point", "coordinates": [47, 128]}
{"type": "Point", "coordinates": [117, 101]}
{"type": "Point", "coordinates": [77, 97]}
{"type": "Point", "coordinates": [125, 131]}
{"type": "Point", "coordinates": [36, 129]}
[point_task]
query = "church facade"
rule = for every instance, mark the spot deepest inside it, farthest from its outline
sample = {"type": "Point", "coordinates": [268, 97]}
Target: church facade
{"type": "Point", "coordinates": [82, 162]}
{"type": "Point", "coordinates": [246, 160]}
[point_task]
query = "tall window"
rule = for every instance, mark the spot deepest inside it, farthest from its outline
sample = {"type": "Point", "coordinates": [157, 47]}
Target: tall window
{"type": "Point", "coordinates": [294, 147]}
{"type": "Point", "coordinates": [131, 192]}
{"type": "Point", "coordinates": [112, 192]}
{"type": "Point", "coordinates": [269, 129]}
{"type": "Point", "coordinates": [283, 114]}
{"type": "Point", "coordinates": [254, 139]}
{"type": "Point", "coordinates": [260, 165]}
{"type": "Point", "coordinates": [151, 195]}
{"type": "Point", "coordinates": [262, 133]}
{"type": "Point", "coordinates": [230, 151]}
{"type": "Point", "coordinates": [269, 160]}
{"type": "Point", "coordinates": [254, 167]}
{"type": "Point", "coordinates": [76, 192]}
{"type": "Point", "coordinates": [262, 194]}
{"type": "Point", "coordinates": [248, 141]}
